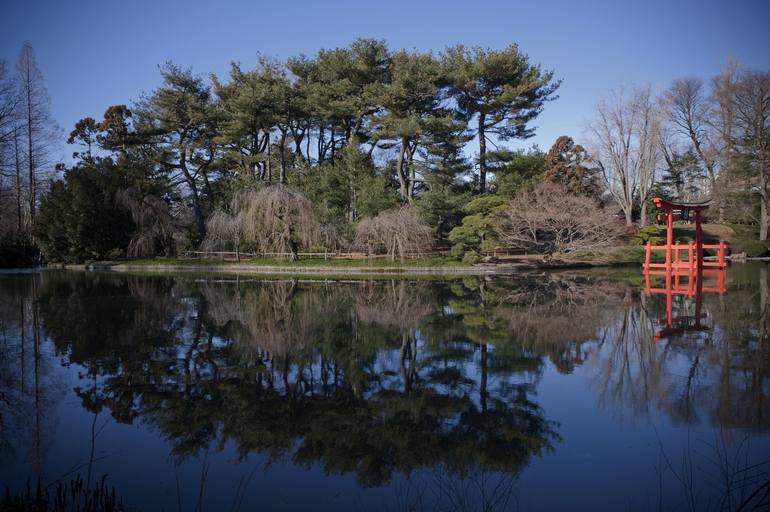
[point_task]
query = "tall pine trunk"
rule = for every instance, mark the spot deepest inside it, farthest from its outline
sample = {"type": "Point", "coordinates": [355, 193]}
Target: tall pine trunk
{"type": "Point", "coordinates": [282, 148]}
{"type": "Point", "coordinates": [403, 187]}
{"type": "Point", "coordinates": [482, 154]}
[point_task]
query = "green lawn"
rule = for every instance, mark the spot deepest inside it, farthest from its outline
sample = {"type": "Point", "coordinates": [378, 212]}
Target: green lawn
{"type": "Point", "coordinates": [309, 262]}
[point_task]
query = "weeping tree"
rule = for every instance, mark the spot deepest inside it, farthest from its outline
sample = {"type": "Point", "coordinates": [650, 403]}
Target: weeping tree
{"type": "Point", "coordinates": [224, 230]}
{"type": "Point", "coordinates": [394, 231]}
{"type": "Point", "coordinates": [155, 223]}
{"type": "Point", "coordinates": [274, 219]}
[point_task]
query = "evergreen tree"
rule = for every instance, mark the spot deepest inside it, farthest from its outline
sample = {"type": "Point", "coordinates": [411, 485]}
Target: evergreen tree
{"type": "Point", "coordinates": [411, 115]}
{"type": "Point", "coordinates": [500, 92]}
{"type": "Point", "coordinates": [566, 163]}
{"type": "Point", "coordinates": [178, 125]}
{"type": "Point", "coordinates": [79, 219]}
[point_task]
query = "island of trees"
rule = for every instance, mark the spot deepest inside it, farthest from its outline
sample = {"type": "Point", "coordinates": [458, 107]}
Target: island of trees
{"type": "Point", "coordinates": [374, 150]}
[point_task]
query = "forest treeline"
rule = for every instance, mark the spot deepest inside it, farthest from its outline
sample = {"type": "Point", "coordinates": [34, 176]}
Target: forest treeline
{"type": "Point", "coordinates": [371, 149]}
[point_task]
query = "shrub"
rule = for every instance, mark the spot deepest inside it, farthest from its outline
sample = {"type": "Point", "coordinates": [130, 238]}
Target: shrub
{"type": "Point", "coordinates": [17, 250]}
{"type": "Point", "coordinates": [471, 258]}
{"type": "Point", "coordinates": [752, 248]}
{"type": "Point", "coordinates": [653, 234]}
{"type": "Point", "coordinates": [393, 231]}
{"type": "Point", "coordinates": [550, 220]}
{"type": "Point", "coordinates": [477, 230]}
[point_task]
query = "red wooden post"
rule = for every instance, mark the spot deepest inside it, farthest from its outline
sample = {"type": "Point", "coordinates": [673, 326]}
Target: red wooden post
{"type": "Point", "coordinates": [669, 235]}
{"type": "Point", "coordinates": [669, 299]}
{"type": "Point", "coordinates": [698, 239]}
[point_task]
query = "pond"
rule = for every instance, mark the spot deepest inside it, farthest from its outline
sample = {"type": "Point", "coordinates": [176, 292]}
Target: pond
{"type": "Point", "coordinates": [543, 391]}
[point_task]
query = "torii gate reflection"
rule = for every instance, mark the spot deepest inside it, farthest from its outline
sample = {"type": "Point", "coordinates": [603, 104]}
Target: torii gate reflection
{"type": "Point", "coordinates": [690, 283]}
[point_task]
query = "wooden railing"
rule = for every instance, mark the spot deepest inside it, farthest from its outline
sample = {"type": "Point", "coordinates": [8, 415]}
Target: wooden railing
{"type": "Point", "coordinates": [330, 255]}
{"type": "Point", "coordinates": [232, 255]}
{"type": "Point", "coordinates": [690, 250]}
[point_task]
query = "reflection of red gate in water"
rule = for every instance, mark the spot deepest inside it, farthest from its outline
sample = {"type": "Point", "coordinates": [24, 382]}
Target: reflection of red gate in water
{"type": "Point", "coordinates": [691, 283]}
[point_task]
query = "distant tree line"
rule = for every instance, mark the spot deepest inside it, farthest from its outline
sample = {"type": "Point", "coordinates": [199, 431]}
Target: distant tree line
{"type": "Point", "coordinates": [369, 148]}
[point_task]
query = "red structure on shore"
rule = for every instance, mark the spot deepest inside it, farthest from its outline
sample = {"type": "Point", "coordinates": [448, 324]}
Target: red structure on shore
{"type": "Point", "coordinates": [694, 251]}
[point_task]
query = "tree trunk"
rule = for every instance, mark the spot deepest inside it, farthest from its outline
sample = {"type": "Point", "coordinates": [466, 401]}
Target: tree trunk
{"type": "Point", "coordinates": [764, 220]}
{"type": "Point", "coordinates": [411, 170]}
{"type": "Point", "coordinates": [482, 155]}
{"type": "Point", "coordinates": [321, 143]}
{"type": "Point", "coordinates": [207, 189]}
{"type": "Point", "coordinates": [18, 178]}
{"type": "Point", "coordinates": [483, 382]}
{"type": "Point", "coordinates": [282, 147]}
{"type": "Point", "coordinates": [30, 160]}
{"type": "Point", "coordinates": [200, 221]}
{"type": "Point", "coordinates": [402, 184]}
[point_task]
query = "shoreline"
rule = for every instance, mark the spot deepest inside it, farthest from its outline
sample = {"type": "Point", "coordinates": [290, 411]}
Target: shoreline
{"type": "Point", "coordinates": [329, 270]}
{"type": "Point", "coordinates": [302, 270]}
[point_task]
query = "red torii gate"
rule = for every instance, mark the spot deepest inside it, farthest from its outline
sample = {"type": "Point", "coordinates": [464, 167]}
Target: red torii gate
{"type": "Point", "coordinates": [683, 277]}
{"type": "Point", "coordinates": [694, 251]}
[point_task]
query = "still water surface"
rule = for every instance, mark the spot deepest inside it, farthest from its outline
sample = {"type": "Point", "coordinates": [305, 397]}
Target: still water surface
{"type": "Point", "coordinates": [550, 391]}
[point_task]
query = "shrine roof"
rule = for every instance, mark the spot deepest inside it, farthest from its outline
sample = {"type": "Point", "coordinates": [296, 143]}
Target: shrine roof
{"type": "Point", "coordinates": [677, 204]}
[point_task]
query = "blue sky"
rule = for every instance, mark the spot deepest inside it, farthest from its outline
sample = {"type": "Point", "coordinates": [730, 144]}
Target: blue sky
{"type": "Point", "coordinates": [95, 54]}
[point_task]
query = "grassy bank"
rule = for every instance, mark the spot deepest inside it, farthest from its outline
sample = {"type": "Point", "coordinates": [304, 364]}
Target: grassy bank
{"type": "Point", "coordinates": [740, 239]}
{"type": "Point", "coordinates": [284, 262]}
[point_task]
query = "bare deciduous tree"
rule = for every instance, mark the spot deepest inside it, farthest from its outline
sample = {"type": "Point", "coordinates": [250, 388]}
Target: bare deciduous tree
{"type": "Point", "coordinates": [39, 128]}
{"type": "Point", "coordinates": [155, 224]}
{"type": "Point", "coordinates": [550, 220]}
{"type": "Point", "coordinates": [688, 110]}
{"type": "Point", "coordinates": [626, 134]}
{"type": "Point", "coordinates": [752, 137]}
{"type": "Point", "coordinates": [8, 135]}
{"type": "Point", "coordinates": [224, 230]}
{"type": "Point", "coordinates": [394, 231]}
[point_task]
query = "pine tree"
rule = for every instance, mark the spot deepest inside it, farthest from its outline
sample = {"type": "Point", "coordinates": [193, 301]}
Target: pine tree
{"type": "Point", "coordinates": [499, 90]}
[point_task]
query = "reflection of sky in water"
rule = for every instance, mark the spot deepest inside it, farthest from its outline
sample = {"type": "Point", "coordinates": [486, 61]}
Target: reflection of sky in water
{"type": "Point", "coordinates": [618, 407]}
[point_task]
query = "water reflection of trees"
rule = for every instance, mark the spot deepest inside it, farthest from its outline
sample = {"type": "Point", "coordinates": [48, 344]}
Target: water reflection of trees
{"type": "Point", "coordinates": [719, 375]}
{"type": "Point", "coordinates": [341, 375]}
{"type": "Point", "coordinates": [556, 314]}
{"type": "Point", "coordinates": [379, 377]}
{"type": "Point", "coordinates": [29, 388]}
